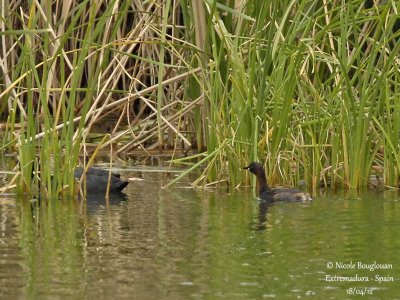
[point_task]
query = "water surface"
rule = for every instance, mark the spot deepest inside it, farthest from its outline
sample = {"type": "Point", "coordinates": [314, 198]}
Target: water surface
{"type": "Point", "coordinates": [181, 243]}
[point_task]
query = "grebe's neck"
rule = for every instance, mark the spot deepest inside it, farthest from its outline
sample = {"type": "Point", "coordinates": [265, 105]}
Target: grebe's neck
{"type": "Point", "coordinates": [262, 185]}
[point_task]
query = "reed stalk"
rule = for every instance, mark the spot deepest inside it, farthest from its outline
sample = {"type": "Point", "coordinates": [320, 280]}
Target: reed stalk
{"type": "Point", "coordinates": [308, 88]}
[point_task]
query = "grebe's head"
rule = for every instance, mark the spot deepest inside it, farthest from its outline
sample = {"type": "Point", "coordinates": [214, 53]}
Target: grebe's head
{"type": "Point", "coordinates": [255, 168]}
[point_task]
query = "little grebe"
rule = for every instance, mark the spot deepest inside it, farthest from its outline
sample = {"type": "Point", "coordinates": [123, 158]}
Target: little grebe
{"type": "Point", "coordinates": [264, 192]}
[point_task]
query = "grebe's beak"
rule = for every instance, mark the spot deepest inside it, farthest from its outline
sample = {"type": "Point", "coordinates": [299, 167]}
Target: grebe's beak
{"type": "Point", "coordinates": [246, 168]}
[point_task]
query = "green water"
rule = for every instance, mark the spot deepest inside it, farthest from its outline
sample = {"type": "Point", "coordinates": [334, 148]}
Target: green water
{"type": "Point", "coordinates": [181, 243]}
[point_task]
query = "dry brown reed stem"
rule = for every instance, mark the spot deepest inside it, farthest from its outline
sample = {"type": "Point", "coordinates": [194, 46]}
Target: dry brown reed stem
{"type": "Point", "coordinates": [3, 63]}
{"type": "Point", "coordinates": [53, 34]}
{"type": "Point", "coordinates": [10, 185]}
{"type": "Point", "coordinates": [166, 121]}
{"type": "Point", "coordinates": [145, 136]}
{"type": "Point", "coordinates": [117, 65]}
{"type": "Point", "coordinates": [129, 98]}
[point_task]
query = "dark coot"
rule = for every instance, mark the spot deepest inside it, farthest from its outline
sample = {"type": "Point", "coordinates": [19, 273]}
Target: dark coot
{"type": "Point", "coordinates": [97, 180]}
{"type": "Point", "coordinates": [264, 192]}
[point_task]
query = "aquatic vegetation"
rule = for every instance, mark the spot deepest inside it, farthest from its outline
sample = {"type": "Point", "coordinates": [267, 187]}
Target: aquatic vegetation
{"type": "Point", "coordinates": [309, 87]}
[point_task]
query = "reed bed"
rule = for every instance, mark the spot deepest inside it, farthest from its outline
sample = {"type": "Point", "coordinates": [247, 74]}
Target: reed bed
{"type": "Point", "coordinates": [308, 87]}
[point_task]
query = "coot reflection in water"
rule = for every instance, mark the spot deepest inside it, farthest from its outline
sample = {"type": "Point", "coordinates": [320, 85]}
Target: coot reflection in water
{"type": "Point", "coordinates": [94, 201]}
